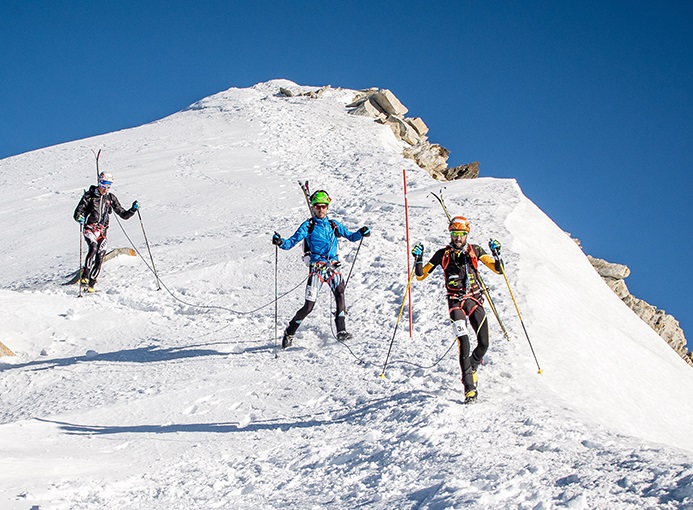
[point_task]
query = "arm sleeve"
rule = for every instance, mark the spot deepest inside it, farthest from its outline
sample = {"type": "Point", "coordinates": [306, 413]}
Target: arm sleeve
{"type": "Point", "coordinates": [490, 262]}
{"type": "Point", "coordinates": [81, 206]}
{"type": "Point", "coordinates": [346, 233]}
{"type": "Point", "coordinates": [423, 271]}
{"type": "Point", "coordinates": [126, 214]}
{"type": "Point", "coordinates": [299, 235]}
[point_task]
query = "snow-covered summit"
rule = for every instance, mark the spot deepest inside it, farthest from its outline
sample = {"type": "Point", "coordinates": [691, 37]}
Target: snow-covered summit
{"type": "Point", "coordinates": [137, 398]}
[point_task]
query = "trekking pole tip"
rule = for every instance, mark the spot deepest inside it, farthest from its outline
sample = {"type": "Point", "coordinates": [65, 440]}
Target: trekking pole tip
{"type": "Point", "coordinates": [382, 375]}
{"type": "Point", "coordinates": [540, 371]}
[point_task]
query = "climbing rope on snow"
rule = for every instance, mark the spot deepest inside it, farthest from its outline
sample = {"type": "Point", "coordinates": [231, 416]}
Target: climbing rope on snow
{"type": "Point", "coordinates": [213, 307]}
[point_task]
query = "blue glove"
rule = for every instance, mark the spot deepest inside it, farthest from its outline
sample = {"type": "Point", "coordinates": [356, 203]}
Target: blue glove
{"type": "Point", "coordinates": [276, 239]}
{"type": "Point", "coordinates": [135, 205]}
{"type": "Point", "coordinates": [494, 246]}
{"type": "Point", "coordinates": [81, 219]}
{"type": "Point", "coordinates": [365, 231]}
{"type": "Point", "coordinates": [418, 251]}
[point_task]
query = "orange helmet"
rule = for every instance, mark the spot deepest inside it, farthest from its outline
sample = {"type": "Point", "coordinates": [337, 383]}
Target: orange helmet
{"type": "Point", "coordinates": [459, 223]}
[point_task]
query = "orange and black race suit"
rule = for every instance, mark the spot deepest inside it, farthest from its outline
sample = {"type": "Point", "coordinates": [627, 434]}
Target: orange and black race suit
{"type": "Point", "coordinates": [465, 299]}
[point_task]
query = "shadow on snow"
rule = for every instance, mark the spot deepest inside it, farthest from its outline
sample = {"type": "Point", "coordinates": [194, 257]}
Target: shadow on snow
{"type": "Point", "coordinates": [395, 402]}
{"type": "Point", "coordinates": [148, 354]}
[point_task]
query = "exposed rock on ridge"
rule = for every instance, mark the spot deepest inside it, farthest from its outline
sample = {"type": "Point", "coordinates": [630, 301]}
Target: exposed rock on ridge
{"type": "Point", "coordinates": [313, 94]}
{"type": "Point", "coordinates": [664, 324]}
{"type": "Point", "coordinates": [384, 107]}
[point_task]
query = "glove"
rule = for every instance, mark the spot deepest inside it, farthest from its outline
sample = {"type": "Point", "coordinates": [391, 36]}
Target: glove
{"type": "Point", "coordinates": [276, 239]}
{"type": "Point", "coordinates": [81, 219]}
{"type": "Point", "coordinates": [365, 231]}
{"type": "Point", "coordinates": [135, 205]}
{"type": "Point", "coordinates": [418, 251]}
{"type": "Point", "coordinates": [494, 246]}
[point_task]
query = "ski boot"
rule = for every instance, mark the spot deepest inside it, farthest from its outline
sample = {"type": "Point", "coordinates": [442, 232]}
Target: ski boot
{"type": "Point", "coordinates": [470, 397]}
{"type": "Point", "coordinates": [469, 383]}
{"type": "Point", "coordinates": [343, 336]}
{"type": "Point", "coordinates": [287, 340]}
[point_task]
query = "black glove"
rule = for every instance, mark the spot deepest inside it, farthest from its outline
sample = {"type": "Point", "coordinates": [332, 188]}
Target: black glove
{"type": "Point", "coordinates": [276, 239]}
{"type": "Point", "coordinates": [365, 231]}
{"type": "Point", "coordinates": [418, 251]}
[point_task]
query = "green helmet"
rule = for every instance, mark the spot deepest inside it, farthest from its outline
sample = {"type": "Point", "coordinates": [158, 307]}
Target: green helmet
{"type": "Point", "coordinates": [320, 197]}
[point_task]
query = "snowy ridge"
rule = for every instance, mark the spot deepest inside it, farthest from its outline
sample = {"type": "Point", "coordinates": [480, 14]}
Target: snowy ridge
{"type": "Point", "coordinates": [133, 398]}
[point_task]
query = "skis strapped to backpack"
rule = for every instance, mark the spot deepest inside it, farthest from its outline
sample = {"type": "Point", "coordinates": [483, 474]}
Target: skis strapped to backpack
{"type": "Point", "coordinates": [442, 204]}
{"type": "Point", "coordinates": [98, 172]}
{"type": "Point", "coordinates": [306, 194]}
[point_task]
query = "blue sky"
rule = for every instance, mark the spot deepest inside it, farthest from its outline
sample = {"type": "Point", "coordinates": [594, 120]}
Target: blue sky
{"type": "Point", "coordinates": [589, 105]}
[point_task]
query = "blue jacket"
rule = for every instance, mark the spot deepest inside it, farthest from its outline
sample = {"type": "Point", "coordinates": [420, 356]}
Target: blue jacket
{"type": "Point", "coordinates": [322, 241]}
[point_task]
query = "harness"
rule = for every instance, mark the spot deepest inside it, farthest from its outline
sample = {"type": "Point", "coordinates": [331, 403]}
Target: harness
{"type": "Point", "coordinates": [326, 271]}
{"type": "Point", "coordinates": [468, 284]}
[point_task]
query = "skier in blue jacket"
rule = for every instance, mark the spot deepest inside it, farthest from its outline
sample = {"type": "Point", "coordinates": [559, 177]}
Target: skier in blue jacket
{"type": "Point", "coordinates": [320, 235]}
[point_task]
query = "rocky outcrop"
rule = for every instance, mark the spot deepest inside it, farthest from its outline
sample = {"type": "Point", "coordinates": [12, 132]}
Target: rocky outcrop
{"type": "Point", "coordinates": [313, 94]}
{"type": "Point", "coordinates": [664, 324]}
{"type": "Point", "coordinates": [382, 106]}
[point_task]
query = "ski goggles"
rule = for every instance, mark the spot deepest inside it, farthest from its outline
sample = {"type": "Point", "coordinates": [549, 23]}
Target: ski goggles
{"type": "Point", "coordinates": [105, 184]}
{"type": "Point", "coordinates": [458, 233]}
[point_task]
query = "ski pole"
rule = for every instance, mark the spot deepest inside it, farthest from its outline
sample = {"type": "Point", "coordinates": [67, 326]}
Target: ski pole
{"type": "Point", "coordinates": [493, 306]}
{"type": "Point", "coordinates": [517, 308]}
{"type": "Point", "coordinates": [353, 264]}
{"type": "Point", "coordinates": [158, 285]}
{"type": "Point", "coordinates": [81, 269]}
{"type": "Point", "coordinates": [401, 309]}
{"type": "Point", "coordinates": [276, 297]}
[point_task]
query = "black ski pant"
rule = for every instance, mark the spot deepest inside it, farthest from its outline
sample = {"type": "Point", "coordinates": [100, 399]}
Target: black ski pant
{"type": "Point", "coordinates": [472, 309]}
{"type": "Point", "coordinates": [315, 281]}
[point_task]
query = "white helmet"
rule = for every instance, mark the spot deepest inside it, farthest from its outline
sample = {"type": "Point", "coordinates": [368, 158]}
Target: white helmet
{"type": "Point", "coordinates": [105, 179]}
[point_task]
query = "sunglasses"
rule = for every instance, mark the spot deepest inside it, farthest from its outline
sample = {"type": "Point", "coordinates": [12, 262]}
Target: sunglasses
{"type": "Point", "coordinates": [320, 206]}
{"type": "Point", "coordinates": [458, 233]}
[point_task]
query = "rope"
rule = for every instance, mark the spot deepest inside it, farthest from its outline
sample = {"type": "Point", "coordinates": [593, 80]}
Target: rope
{"type": "Point", "coordinates": [333, 315]}
{"type": "Point", "coordinates": [427, 367]}
{"type": "Point", "coordinates": [215, 307]}
{"type": "Point", "coordinates": [277, 298]}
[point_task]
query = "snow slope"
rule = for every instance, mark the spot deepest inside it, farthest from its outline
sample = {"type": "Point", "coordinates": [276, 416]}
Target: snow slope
{"type": "Point", "coordinates": [178, 398]}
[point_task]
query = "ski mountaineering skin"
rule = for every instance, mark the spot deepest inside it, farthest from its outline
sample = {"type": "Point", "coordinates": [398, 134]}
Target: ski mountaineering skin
{"type": "Point", "coordinates": [320, 234]}
{"type": "Point", "coordinates": [93, 214]}
{"type": "Point", "coordinates": [459, 261]}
